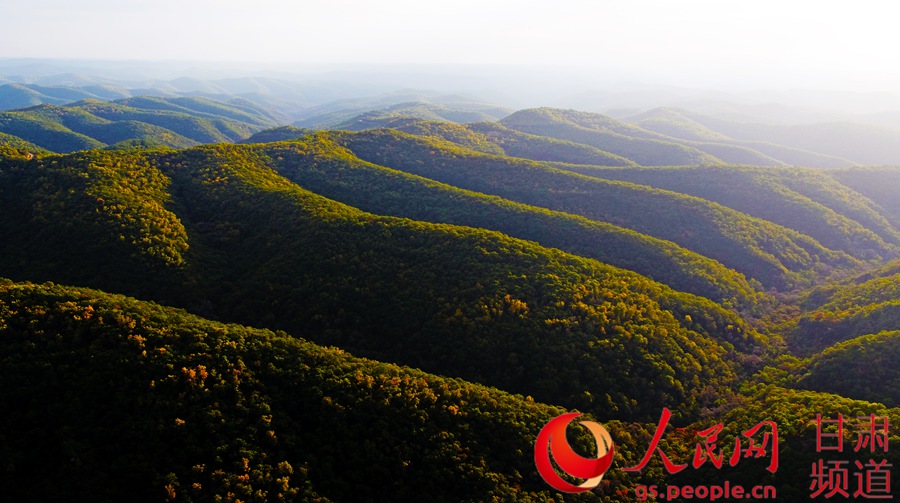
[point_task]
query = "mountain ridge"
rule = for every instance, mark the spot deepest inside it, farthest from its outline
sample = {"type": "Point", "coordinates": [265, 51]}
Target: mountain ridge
{"type": "Point", "coordinates": [91, 123]}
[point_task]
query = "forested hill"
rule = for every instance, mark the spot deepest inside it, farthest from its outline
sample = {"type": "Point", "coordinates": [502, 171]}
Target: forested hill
{"type": "Point", "coordinates": [806, 200]}
{"type": "Point", "coordinates": [116, 399]}
{"type": "Point", "coordinates": [660, 137]}
{"type": "Point", "coordinates": [216, 230]}
{"type": "Point", "coordinates": [411, 304]}
{"type": "Point", "coordinates": [865, 304]}
{"type": "Point", "coordinates": [828, 144]}
{"type": "Point", "coordinates": [318, 163]}
{"type": "Point", "coordinates": [111, 399]}
{"type": "Point", "coordinates": [147, 121]}
{"type": "Point", "coordinates": [776, 256]}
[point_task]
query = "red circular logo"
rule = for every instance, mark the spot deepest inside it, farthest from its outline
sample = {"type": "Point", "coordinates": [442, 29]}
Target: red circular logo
{"type": "Point", "coordinates": [552, 438]}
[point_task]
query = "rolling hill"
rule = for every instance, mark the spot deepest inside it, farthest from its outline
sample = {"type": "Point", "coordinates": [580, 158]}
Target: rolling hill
{"type": "Point", "coordinates": [701, 132]}
{"type": "Point", "coordinates": [865, 304]}
{"type": "Point", "coordinates": [456, 257]}
{"type": "Point", "coordinates": [388, 303]}
{"type": "Point", "coordinates": [281, 133]}
{"type": "Point", "coordinates": [363, 113]}
{"type": "Point", "coordinates": [216, 230]}
{"type": "Point", "coordinates": [773, 255]}
{"type": "Point", "coordinates": [879, 184]}
{"type": "Point", "coordinates": [285, 99]}
{"type": "Point", "coordinates": [607, 134]}
{"type": "Point", "coordinates": [863, 368]}
{"type": "Point", "coordinates": [851, 142]}
{"type": "Point", "coordinates": [795, 412]}
{"type": "Point", "coordinates": [127, 400]}
{"type": "Point", "coordinates": [174, 122]}
{"type": "Point", "coordinates": [319, 164]}
{"type": "Point", "coordinates": [416, 110]}
{"type": "Point", "coordinates": [132, 400]}
{"type": "Point", "coordinates": [763, 193]}
{"type": "Point", "coordinates": [22, 126]}
{"type": "Point", "coordinates": [492, 138]}
{"type": "Point", "coordinates": [15, 95]}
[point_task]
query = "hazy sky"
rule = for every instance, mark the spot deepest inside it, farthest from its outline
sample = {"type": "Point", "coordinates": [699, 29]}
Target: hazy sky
{"type": "Point", "coordinates": [784, 43]}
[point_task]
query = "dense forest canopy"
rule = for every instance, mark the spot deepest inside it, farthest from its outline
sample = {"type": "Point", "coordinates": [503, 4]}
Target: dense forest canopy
{"type": "Point", "coordinates": [386, 298]}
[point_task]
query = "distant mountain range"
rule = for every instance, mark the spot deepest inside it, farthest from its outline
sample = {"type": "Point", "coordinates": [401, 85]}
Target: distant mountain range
{"type": "Point", "coordinates": [661, 137]}
{"type": "Point", "coordinates": [703, 129]}
{"type": "Point", "coordinates": [65, 119]}
{"type": "Point", "coordinates": [826, 144]}
{"type": "Point", "coordinates": [355, 115]}
{"type": "Point", "coordinates": [283, 96]}
{"type": "Point", "coordinates": [147, 121]}
{"type": "Point", "coordinates": [658, 137]}
{"type": "Point", "coordinates": [322, 104]}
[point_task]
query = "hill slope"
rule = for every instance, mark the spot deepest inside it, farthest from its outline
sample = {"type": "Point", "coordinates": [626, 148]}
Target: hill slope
{"type": "Point", "coordinates": [866, 304]}
{"type": "Point", "coordinates": [853, 142]}
{"type": "Point", "coordinates": [607, 134]}
{"type": "Point", "coordinates": [118, 399]}
{"type": "Point", "coordinates": [14, 96]}
{"type": "Point", "coordinates": [700, 132]}
{"type": "Point", "coordinates": [864, 368]}
{"type": "Point", "coordinates": [320, 165]}
{"type": "Point", "coordinates": [763, 193]}
{"type": "Point", "coordinates": [452, 300]}
{"type": "Point", "coordinates": [773, 255]}
{"type": "Point", "coordinates": [125, 400]}
{"type": "Point", "coordinates": [176, 122]}
{"type": "Point", "coordinates": [358, 113]}
{"type": "Point", "coordinates": [878, 184]}
{"type": "Point", "coordinates": [429, 247]}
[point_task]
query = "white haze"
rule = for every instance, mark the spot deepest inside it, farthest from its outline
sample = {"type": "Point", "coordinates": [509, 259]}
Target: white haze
{"type": "Point", "coordinates": [709, 44]}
